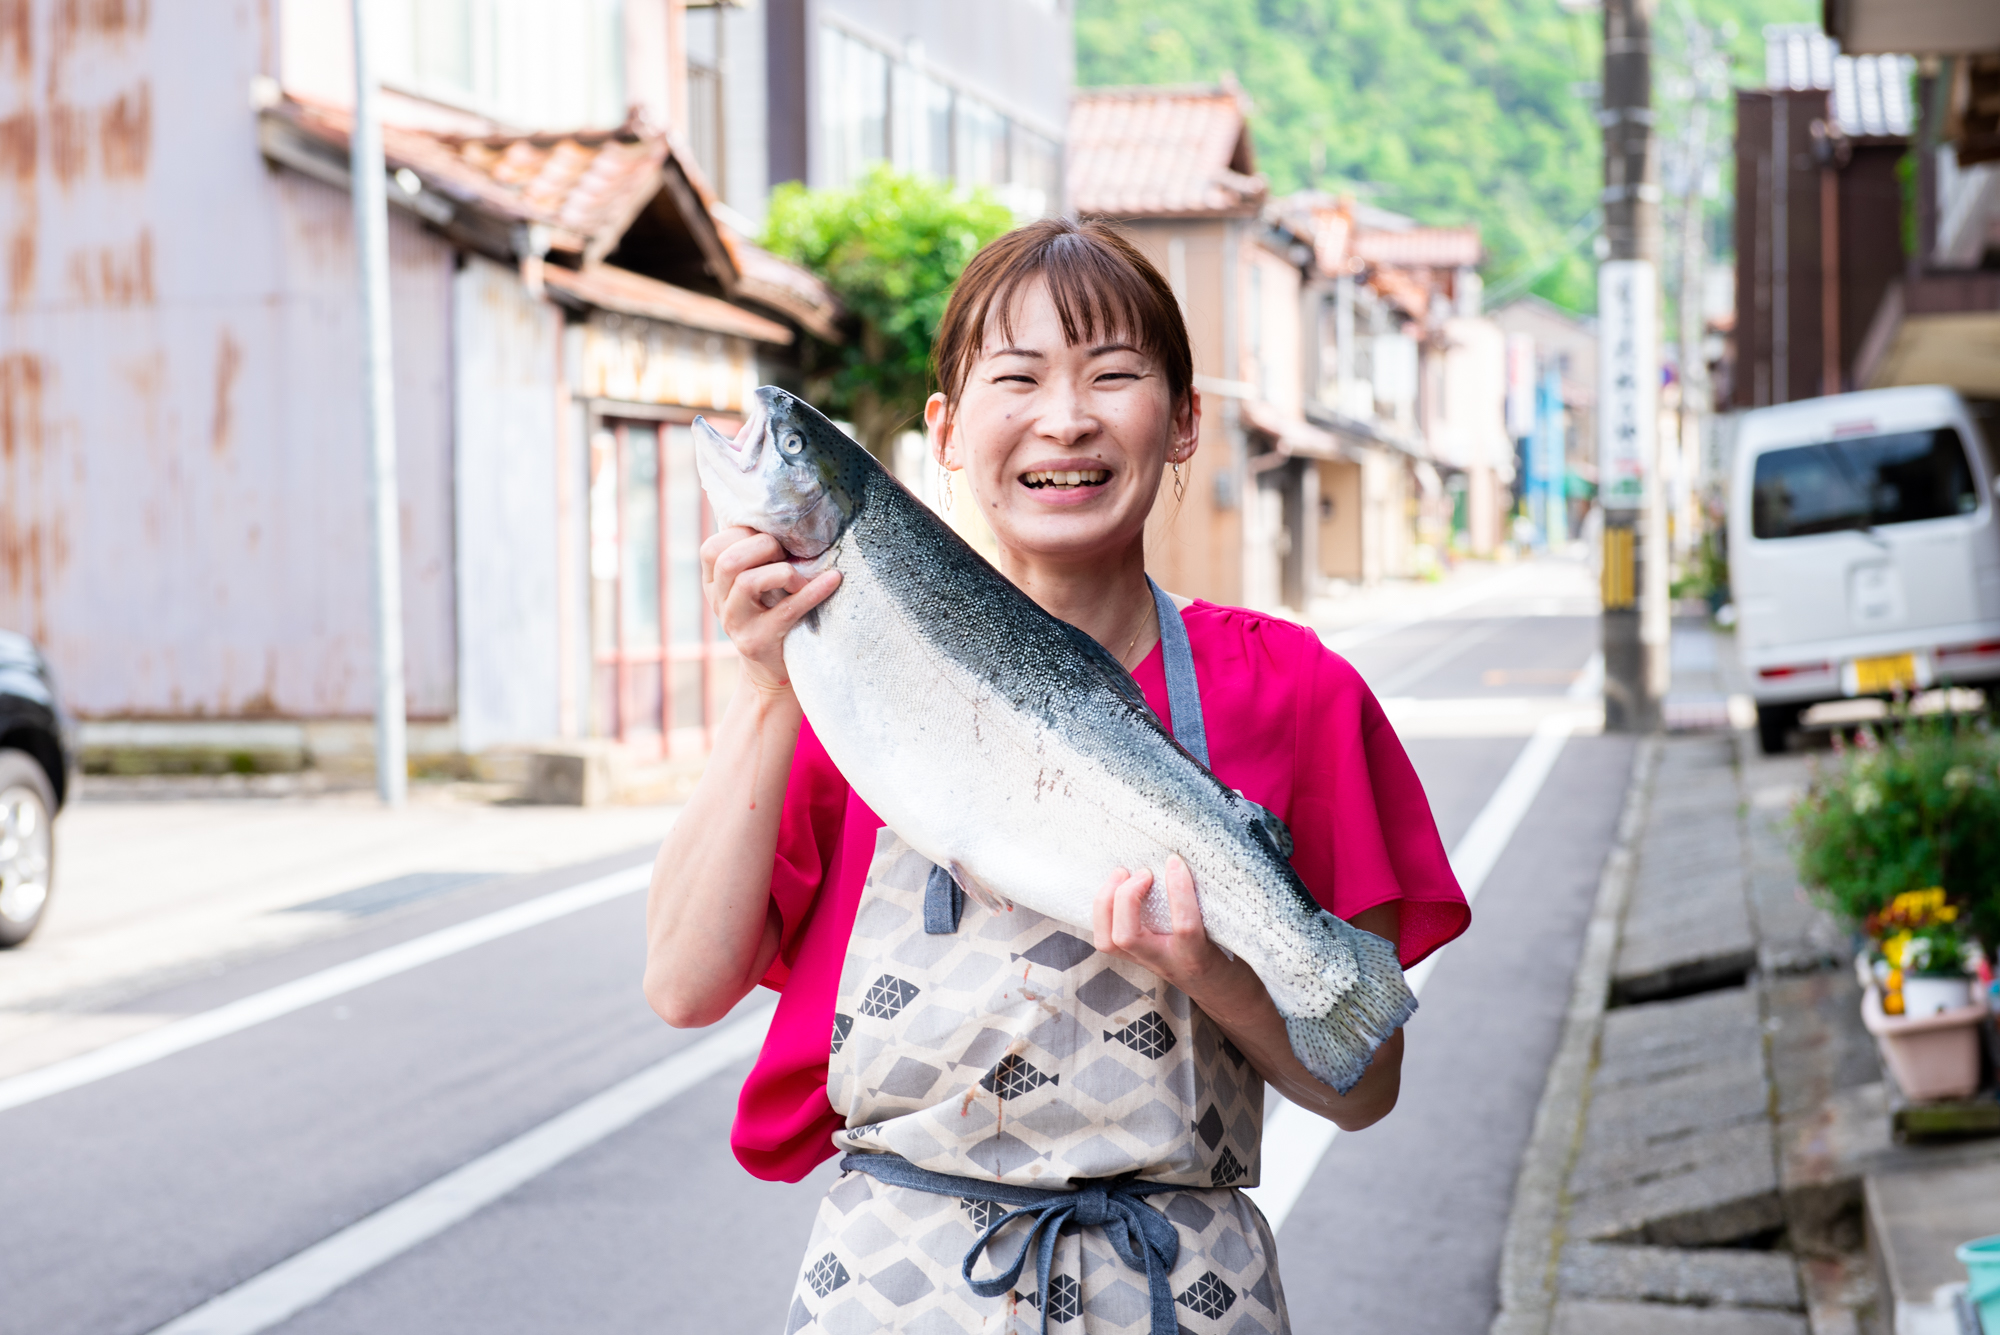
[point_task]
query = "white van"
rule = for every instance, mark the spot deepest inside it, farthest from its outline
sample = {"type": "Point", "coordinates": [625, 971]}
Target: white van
{"type": "Point", "coordinates": [1864, 554]}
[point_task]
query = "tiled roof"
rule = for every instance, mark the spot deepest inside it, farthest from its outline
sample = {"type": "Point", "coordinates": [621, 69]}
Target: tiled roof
{"type": "Point", "coordinates": [1422, 247]}
{"type": "Point", "coordinates": [1165, 151]}
{"type": "Point", "coordinates": [1871, 94]}
{"type": "Point", "coordinates": [786, 288]}
{"type": "Point", "coordinates": [1325, 220]}
{"type": "Point", "coordinates": [586, 188]}
{"type": "Point", "coordinates": [609, 288]}
{"type": "Point", "coordinates": [1403, 289]}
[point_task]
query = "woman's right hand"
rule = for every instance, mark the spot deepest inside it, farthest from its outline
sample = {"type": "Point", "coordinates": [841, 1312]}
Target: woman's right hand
{"type": "Point", "coordinates": [758, 597]}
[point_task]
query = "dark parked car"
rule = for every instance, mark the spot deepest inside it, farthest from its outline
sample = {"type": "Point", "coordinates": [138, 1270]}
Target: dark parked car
{"type": "Point", "coordinates": [37, 761]}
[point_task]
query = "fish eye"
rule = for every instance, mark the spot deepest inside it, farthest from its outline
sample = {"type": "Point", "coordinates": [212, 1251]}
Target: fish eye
{"type": "Point", "coordinates": [792, 442]}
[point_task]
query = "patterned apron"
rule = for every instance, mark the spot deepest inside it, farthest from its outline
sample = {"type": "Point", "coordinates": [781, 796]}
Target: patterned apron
{"type": "Point", "coordinates": [1010, 1051]}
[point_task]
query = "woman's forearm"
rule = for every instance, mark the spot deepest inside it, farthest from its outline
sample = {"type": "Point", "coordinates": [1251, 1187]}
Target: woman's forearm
{"type": "Point", "coordinates": [1237, 1001]}
{"type": "Point", "coordinates": [711, 929]}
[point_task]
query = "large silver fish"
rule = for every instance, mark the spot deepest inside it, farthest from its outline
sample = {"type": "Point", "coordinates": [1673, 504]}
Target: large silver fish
{"type": "Point", "coordinates": [1009, 747]}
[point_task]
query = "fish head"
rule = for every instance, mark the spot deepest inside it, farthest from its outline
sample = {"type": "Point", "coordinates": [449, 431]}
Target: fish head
{"type": "Point", "coordinates": [789, 473]}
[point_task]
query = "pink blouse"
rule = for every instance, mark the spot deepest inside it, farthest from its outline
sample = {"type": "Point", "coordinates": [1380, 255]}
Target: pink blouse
{"type": "Point", "coordinates": [1290, 724]}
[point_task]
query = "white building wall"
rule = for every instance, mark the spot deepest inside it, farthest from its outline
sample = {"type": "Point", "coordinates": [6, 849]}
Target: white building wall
{"type": "Point", "coordinates": [507, 384]}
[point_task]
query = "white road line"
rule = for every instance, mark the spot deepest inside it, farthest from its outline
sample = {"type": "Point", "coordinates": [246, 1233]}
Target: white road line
{"type": "Point", "coordinates": [1341, 641]}
{"type": "Point", "coordinates": [293, 1285]}
{"type": "Point", "coordinates": [1437, 658]}
{"type": "Point", "coordinates": [247, 1012]}
{"type": "Point", "coordinates": [1295, 1140]}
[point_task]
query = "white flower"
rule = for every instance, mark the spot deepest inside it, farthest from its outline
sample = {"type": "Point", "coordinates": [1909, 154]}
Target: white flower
{"type": "Point", "coordinates": [1866, 798]}
{"type": "Point", "coordinates": [1958, 777]}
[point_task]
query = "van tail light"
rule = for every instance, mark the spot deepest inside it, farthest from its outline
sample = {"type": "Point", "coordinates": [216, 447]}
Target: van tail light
{"type": "Point", "coordinates": [1970, 650]}
{"type": "Point", "coordinates": [1794, 670]}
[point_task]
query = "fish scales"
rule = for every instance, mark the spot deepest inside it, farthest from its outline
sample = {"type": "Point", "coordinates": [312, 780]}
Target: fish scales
{"type": "Point", "coordinates": [1009, 747]}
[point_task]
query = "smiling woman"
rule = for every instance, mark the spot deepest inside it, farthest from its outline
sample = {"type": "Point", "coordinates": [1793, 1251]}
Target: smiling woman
{"type": "Point", "coordinates": [1067, 387]}
{"type": "Point", "coordinates": [1091, 1108]}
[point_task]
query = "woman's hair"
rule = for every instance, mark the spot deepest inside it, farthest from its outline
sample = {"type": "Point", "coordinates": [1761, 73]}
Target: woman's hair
{"type": "Point", "coordinates": [1100, 283]}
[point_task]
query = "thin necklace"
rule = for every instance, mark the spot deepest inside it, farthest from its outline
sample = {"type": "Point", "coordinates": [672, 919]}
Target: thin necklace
{"type": "Point", "coordinates": [1134, 644]}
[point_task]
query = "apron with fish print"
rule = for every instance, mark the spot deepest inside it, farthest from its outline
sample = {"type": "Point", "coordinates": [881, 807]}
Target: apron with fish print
{"type": "Point", "coordinates": [1039, 1137]}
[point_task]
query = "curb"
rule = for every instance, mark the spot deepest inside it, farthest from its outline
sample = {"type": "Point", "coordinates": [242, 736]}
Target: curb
{"type": "Point", "coordinates": [1533, 1242]}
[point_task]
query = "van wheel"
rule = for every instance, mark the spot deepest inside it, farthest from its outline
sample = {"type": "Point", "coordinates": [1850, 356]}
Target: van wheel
{"type": "Point", "coordinates": [27, 844]}
{"type": "Point", "coordinates": [1774, 727]}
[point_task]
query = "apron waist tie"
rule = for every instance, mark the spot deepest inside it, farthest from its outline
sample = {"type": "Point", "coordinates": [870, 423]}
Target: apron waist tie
{"type": "Point", "coordinates": [1140, 1234]}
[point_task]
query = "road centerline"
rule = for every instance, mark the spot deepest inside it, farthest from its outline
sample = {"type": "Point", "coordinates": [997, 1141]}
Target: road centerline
{"type": "Point", "coordinates": [247, 1012]}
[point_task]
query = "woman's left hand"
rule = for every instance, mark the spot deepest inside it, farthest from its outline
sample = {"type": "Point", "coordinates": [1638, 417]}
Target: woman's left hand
{"type": "Point", "coordinates": [1232, 995]}
{"type": "Point", "coordinates": [1183, 956]}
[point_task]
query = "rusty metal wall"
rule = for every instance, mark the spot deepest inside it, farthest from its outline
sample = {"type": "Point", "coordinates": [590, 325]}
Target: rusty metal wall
{"type": "Point", "coordinates": [182, 486]}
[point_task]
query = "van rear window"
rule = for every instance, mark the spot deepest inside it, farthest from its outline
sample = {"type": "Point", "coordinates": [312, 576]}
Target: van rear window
{"type": "Point", "coordinates": [1861, 483]}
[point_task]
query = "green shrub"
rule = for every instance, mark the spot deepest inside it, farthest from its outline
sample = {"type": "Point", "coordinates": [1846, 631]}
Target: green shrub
{"type": "Point", "coordinates": [1904, 809]}
{"type": "Point", "coordinates": [891, 247]}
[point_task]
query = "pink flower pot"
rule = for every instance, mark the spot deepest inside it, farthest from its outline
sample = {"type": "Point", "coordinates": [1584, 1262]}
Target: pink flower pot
{"type": "Point", "coordinates": [1930, 1056]}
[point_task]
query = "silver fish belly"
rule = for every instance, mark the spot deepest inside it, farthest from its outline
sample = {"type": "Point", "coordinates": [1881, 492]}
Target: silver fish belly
{"type": "Point", "coordinates": [1006, 746]}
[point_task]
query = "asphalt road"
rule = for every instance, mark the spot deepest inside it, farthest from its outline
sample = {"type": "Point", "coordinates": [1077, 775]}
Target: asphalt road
{"type": "Point", "coordinates": [128, 1201]}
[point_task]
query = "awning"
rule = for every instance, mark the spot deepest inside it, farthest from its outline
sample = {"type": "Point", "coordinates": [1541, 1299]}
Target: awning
{"type": "Point", "coordinates": [1295, 438]}
{"type": "Point", "coordinates": [623, 292]}
{"type": "Point", "coordinates": [1944, 329]}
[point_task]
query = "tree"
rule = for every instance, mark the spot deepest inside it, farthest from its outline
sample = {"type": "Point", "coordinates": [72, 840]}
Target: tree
{"type": "Point", "coordinates": [891, 248]}
{"type": "Point", "coordinates": [1452, 111]}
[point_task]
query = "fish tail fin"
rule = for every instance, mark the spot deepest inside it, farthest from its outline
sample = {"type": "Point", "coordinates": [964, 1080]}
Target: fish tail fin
{"type": "Point", "coordinates": [1372, 1001]}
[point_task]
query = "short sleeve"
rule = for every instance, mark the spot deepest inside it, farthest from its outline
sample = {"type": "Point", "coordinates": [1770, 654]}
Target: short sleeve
{"type": "Point", "coordinates": [783, 1122]}
{"type": "Point", "coordinates": [1362, 826]}
{"type": "Point", "coordinates": [808, 835]}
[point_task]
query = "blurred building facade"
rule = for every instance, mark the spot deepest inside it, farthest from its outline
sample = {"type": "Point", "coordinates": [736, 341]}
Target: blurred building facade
{"type": "Point", "coordinates": [183, 519]}
{"type": "Point", "coordinates": [1552, 412]}
{"type": "Point", "coordinates": [183, 507]}
{"type": "Point", "coordinates": [1352, 387]}
{"type": "Point", "coordinates": [1868, 206]}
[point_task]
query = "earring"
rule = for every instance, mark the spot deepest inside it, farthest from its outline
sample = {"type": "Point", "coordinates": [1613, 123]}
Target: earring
{"type": "Point", "coordinates": [944, 490]}
{"type": "Point", "coordinates": [1180, 483]}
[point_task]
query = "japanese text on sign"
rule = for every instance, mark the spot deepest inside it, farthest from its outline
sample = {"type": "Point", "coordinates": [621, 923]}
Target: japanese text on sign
{"type": "Point", "coordinates": [1628, 380]}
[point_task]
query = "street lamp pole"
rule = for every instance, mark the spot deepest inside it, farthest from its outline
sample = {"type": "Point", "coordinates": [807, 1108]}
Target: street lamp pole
{"type": "Point", "coordinates": [371, 237]}
{"type": "Point", "coordinates": [1636, 625]}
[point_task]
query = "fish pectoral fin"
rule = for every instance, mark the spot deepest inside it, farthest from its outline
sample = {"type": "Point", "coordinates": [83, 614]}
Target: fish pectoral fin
{"type": "Point", "coordinates": [978, 891]}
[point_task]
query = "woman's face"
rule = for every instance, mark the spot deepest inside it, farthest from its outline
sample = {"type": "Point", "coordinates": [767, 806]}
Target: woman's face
{"type": "Point", "coordinates": [1062, 445]}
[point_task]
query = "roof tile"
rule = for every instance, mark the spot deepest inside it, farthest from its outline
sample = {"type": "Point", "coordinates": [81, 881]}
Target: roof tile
{"type": "Point", "coordinates": [1136, 152]}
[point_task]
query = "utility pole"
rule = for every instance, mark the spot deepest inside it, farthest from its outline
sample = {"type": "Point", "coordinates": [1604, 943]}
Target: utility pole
{"type": "Point", "coordinates": [371, 243]}
{"type": "Point", "coordinates": [1636, 625]}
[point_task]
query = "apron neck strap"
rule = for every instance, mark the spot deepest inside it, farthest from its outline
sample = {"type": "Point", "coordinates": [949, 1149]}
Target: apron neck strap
{"type": "Point", "coordinates": [1183, 696]}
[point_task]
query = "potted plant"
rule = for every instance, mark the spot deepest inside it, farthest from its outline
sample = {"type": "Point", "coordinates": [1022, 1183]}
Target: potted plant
{"type": "Point", "coordinates": [1900, 836]}
{"type": "Point", "coordinates": [1920, 1004]}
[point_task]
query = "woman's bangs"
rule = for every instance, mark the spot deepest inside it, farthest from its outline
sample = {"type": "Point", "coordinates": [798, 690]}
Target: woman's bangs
{"type": "Point", "coordinates": [1097, 301]}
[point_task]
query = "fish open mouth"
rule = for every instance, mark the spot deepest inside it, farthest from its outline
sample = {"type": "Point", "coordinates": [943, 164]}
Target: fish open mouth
{"type": "Point", "coordinates": [1066, 479]}
{"type": "Point", "coordinates": [740, 449]}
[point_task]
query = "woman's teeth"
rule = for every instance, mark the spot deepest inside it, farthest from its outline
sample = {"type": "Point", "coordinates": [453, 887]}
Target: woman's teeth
{"type": "Point", "coordinates": [1074, 477]}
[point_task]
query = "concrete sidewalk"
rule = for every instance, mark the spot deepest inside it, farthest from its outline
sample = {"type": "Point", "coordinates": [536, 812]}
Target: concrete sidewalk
{"type": "Point", "coordinates": [1712, 1154]}
{"type": "Point", "coordinates": [150, 893]}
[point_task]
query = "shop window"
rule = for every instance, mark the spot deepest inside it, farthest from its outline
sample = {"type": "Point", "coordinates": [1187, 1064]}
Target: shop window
{"type": "Point", "coordinates": [660, 661]}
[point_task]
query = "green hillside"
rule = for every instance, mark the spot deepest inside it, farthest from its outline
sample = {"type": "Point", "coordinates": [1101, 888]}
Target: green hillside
{"type": "Point", "coordinates": [1447, 110]}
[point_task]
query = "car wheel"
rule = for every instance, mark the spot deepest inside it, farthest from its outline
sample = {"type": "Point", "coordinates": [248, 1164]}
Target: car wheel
{"type": "Point", "coordinates": [1774, 727]}
{"type": "Point", "coordinates": [27, 845]}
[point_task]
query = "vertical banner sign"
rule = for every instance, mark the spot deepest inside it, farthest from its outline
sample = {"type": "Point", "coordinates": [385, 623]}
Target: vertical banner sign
{"type": "Point", "coordinates": [1628, 380]}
